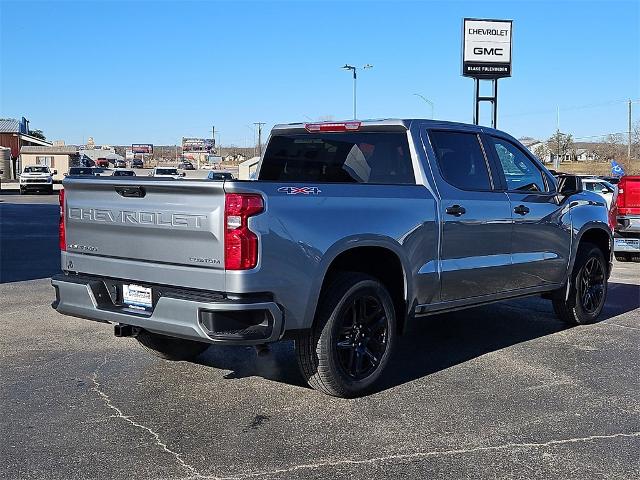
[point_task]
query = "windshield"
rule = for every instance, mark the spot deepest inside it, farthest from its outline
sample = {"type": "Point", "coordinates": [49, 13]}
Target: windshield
{"type": "Point", "coordinates": [80, 171]}
{"type": "Point", "coordinates": [166, 171]}
{"type": "Point", "coordinates": [36, 169]}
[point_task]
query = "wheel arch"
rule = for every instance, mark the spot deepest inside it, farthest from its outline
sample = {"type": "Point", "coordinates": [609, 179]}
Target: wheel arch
{"type": "Point", "coordinates": [598, 235]}
{"type": "Point", "coordinates": [382, 258]}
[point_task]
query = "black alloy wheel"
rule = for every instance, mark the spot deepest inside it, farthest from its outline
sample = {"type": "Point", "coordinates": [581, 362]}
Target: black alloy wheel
{"type": "Point", "coordinates": [362, 338]}
{"type": "Point", "coordinates": [591, 286]}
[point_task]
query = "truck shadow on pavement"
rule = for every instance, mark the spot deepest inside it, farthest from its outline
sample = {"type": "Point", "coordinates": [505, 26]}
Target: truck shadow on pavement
{"type": "Point", "coordinates": [432, 343]}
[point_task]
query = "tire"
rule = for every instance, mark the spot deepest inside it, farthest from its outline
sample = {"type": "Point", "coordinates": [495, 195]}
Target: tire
{"type": "Point", "coordinates": [170, 348]}
{"type": "Point", "coordinates": [589, 276]}
{"type": "Point", "coordinates": [352, 339]}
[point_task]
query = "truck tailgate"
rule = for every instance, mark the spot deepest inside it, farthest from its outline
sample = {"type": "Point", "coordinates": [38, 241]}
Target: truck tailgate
{"type": "Point", "coordinates": [148, 229]}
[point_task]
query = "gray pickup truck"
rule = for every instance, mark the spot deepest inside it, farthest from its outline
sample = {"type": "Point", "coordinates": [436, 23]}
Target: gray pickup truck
{"type": "Point", "coordinates": [352, 231]}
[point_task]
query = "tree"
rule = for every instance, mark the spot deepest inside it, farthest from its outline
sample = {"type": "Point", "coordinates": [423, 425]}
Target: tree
{"type": "Point", "coordinates": [560, 144]}
{"type": "Point", "coordinates": [37, 134]}
{"type": "Point", "coordinates": [611, 148]}
{"type": "Point", "coordinates": [541, 151]}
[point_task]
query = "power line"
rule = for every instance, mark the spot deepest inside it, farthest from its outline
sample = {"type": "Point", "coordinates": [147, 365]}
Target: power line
{"type": "Point", "coordinates": [570, 108]}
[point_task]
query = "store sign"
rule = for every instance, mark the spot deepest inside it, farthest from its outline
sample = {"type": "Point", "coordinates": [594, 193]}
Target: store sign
{"type": "Point", "coordinates": [190, 144]}
{"type": "Point", "coordinates": [486, 48]}
{"type": "Point", "coordinates": [142, 148]}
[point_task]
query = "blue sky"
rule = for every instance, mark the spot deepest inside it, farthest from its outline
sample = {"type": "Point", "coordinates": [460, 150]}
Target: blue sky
{"type": "Point", "coordinates": [142, 71]}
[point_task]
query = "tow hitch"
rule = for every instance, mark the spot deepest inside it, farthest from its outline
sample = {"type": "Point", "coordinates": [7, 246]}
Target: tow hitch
{"type": "Point", "coordinates": [121, 330]}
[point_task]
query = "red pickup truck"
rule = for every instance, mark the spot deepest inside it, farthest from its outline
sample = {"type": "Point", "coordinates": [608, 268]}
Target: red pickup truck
{"type": "Point", "coordinates": [627, 241]}
{"type": "Point", "coordinates": [102, 163]}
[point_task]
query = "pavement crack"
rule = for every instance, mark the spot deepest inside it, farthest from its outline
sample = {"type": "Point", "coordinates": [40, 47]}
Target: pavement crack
{"type": "Point", "coordinates": [97, 387]}
{"type": "Point", "coordinates": [419, 455]}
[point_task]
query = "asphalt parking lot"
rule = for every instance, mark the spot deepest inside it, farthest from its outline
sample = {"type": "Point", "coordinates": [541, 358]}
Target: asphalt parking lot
{"type": "Point", "coordinates": [501, 391]}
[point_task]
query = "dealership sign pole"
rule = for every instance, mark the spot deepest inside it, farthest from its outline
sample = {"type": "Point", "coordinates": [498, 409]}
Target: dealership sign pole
{"type": "Point", "coordinates": [486, 55]}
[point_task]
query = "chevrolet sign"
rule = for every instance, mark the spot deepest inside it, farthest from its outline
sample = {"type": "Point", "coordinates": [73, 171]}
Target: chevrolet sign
{"type": "Point", "coordinates": [486, 48]}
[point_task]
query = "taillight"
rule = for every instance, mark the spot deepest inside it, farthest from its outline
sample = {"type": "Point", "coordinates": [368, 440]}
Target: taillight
{"type": "Point", "coordinates": [240, 243]}
{"type": "Point", "coordinates": [62, 240]}
{"type": "Point", "coordinates": [332, 127]}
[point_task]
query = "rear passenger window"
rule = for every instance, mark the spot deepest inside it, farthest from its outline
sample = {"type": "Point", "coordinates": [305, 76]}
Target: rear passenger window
{"type": "Point", "coordinates": [362, 157]}
{"type": "Point", "coordinates": [520, 172]}
{"type": "Point", "coordinates": [461, 160]}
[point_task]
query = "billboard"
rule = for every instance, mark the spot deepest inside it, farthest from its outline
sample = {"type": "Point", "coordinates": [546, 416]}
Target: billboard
{"type": "Point", "coordinates": [486, 48]}
{"type": "Point", "coordinates": [192, 144]}
{"type": "Point", "coordinates": [142, 148]}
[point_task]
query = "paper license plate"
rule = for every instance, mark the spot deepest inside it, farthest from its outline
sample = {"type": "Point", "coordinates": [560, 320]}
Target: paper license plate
{"type": "Point", "coordinates": [627, 243]}
{"type": "Point", "coordinates": [136, 295]}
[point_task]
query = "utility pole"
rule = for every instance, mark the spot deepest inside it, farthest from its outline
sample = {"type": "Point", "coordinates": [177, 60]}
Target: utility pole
{"type": "Point", "coordinates": [629, 132]}
{"type": "Point", "coordinates": [259, 125]}
{"type": "Point", "coordinates": [556, 163]}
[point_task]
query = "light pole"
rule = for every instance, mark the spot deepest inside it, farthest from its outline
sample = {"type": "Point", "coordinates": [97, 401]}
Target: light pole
{"type": "Point", "coordinates": [427, 101]}
{"type": "Point", "coordinates": [355, 78]}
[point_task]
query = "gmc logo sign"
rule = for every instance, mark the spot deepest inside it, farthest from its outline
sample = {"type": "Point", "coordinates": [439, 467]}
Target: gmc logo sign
{"type": "Point", "coordinates": [488, 51]}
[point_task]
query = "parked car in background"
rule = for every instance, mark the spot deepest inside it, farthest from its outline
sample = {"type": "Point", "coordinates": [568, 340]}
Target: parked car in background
{"type": "Point", "coordinates": [186, 166]}
{"type": "Point", "coordinates": [137, 163]}
{"type": "Point", "coordinates": [220, 176]}
{"type": "Point", "coordinates": [102, 163]}
{"type": "Point", "coordinates": [120, 164]}
{"type": "Point", "coordinates": [352, 232]}
{"type": "Point", "coordinates": [37, 178]}
{"type": "Point", "coordinates": [124, 173]}
{"type": "Point", "coordinates": [602, 188]}
{"type": "Point", "coordinates": [166, 172]}
{"type": "Point", "coordinates": [611, 179]}
{"type": "Point", "coordinates": [80, 171]}
{"type": "Point", "coordinates": [627, 213]}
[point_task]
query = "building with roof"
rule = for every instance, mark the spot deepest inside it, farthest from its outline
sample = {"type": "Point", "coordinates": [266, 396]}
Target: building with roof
{"type": "Point", "coordinates": [14, 134]}
{"type": "Point", "coordinates": [58, 158]}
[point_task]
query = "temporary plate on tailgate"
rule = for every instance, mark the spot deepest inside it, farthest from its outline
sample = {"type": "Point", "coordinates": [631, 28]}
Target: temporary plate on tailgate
{"type": "Point", "coordinates": [136, 295]}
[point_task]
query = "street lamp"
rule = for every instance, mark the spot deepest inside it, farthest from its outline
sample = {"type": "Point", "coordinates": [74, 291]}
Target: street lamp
{"type": "Point", "coordinates": [355, 77]}
{"type": "Point", "coordinates": [426, 100]}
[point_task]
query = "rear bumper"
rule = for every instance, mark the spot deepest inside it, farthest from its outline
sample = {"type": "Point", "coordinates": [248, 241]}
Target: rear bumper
{"type": "Point", "coordinates": [216, 319]}
{"type": "Point", "coordinates": [628, 224]}
{"type": "Point", "coordinates": [36, 186]}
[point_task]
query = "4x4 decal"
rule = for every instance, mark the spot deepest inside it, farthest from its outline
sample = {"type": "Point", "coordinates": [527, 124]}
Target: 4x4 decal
{"type": "Point", "coordinates": [300, 190]}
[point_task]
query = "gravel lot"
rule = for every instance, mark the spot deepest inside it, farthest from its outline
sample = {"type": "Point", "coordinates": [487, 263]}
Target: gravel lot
{"type": "Point", "coordinates": [502, 391]}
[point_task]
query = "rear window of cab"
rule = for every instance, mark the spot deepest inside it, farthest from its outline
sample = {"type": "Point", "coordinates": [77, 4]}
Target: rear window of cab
{"type": "Point", "coordinates": [345, 157]}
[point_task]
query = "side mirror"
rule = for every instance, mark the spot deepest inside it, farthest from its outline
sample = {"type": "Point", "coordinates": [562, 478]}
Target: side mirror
{"type": "Point", "coordinates": [606, 190]}
{"type": "Point", "coordinates": [569, 185]}
{"type": "Point", "coordinates": [183, 174]}
{"type": "Point", "coordinates": [55, 172]}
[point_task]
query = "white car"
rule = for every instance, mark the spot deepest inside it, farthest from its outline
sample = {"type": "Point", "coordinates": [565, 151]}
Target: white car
{"type": "Point", "coordinates": [166, 172]}
{"type": "Point", "coordinates": [36, 178]}
{"type": "Point", "coordinates": [603, 188]}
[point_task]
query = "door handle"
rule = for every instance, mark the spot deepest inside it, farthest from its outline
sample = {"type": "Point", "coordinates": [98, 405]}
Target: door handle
{"type": "Point", "coordinates": [136, 191]}
{"type": "Point", "coordinates": [521, 210]}
{"type": "Point", "coordinates": [455, 210]}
